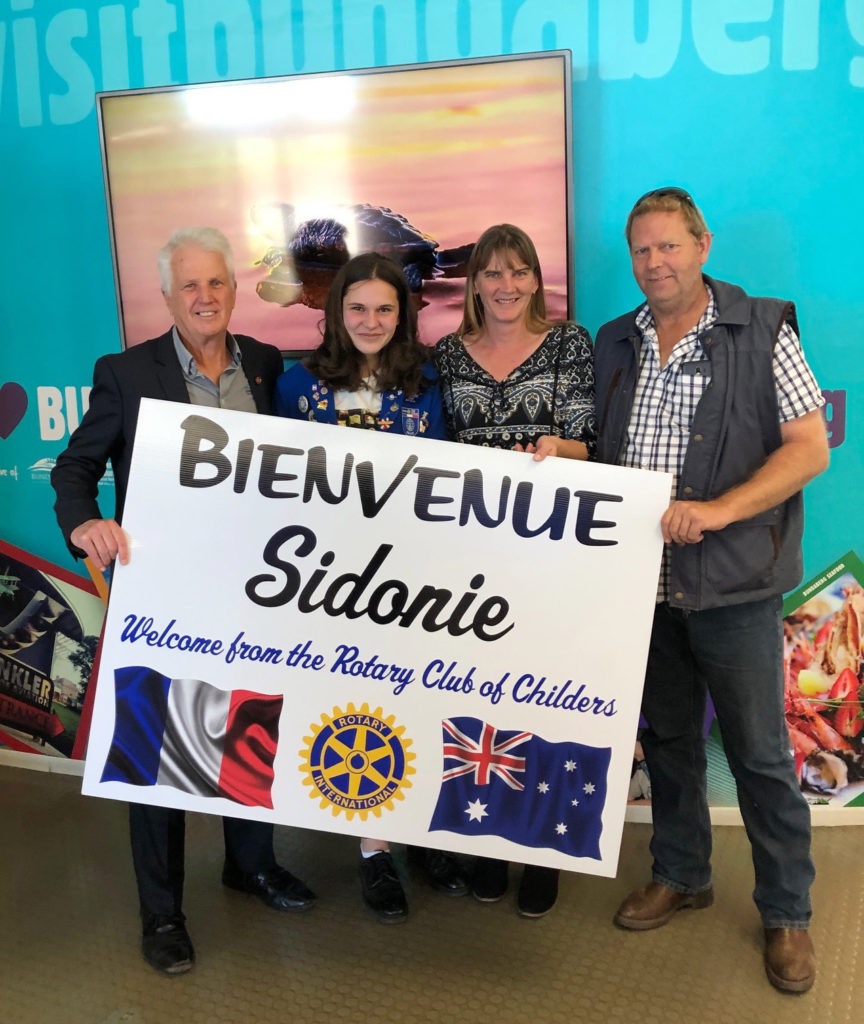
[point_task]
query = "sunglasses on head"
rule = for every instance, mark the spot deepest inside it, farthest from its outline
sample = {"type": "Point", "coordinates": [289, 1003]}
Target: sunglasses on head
{"type": "Point", "coordinates": [667, 190]}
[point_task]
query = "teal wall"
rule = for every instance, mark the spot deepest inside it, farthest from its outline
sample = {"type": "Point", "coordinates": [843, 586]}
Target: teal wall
{"type": "Point", "coordinates": [756, 106]}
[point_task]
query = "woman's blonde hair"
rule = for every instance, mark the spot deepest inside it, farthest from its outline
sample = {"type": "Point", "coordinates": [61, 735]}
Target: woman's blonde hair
{"type": "Point", "coordinates": [514, 248]}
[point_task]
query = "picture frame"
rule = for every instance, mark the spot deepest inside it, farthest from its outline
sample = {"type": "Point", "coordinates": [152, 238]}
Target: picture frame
{"type": "Point", "coordinates": [301, 172]}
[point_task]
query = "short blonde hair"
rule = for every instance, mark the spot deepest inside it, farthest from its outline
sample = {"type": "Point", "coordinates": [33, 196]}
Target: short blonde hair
{"type": "Point", "coordinates": [669, 199]}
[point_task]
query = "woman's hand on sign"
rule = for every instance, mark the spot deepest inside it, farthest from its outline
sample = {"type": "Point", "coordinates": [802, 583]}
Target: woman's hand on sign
{"type": "Point", "coordinates": [546, 445]}
{"type": "Point", "coordinates": [551, 445]}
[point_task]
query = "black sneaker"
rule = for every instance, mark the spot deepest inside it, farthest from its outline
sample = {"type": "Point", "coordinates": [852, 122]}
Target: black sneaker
{"type": "Point", "coordinates": [382, 890]}
{"type": "Point", "coordinates": [444, 872]}
{"type": "Point", "coordinates": [166, 945]}
{"type": "Point", "coordinates": [489, 881]}
{"type": "Point", "coordinates": [538, 891]}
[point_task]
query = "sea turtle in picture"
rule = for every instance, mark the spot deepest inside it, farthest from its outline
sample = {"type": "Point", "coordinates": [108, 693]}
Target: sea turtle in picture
{"type": "Point", "coordinates": [301, 269]}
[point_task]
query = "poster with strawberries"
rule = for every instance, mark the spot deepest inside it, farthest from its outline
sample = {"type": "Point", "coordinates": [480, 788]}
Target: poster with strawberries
{"type": "Point", "coordinates": [823, 647]}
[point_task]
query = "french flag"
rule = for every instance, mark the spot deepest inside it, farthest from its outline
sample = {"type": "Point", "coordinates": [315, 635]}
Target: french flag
{"type": "Point", "coordinates": [192, 736]}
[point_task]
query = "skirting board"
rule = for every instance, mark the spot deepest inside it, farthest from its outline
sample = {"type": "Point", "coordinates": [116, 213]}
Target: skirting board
{"type": "Point", "coordinates": [635, 812]}
{"type": "Point", "coordinates": [819, 815]}
{"type": "Point", "coordinates": [41, 763]}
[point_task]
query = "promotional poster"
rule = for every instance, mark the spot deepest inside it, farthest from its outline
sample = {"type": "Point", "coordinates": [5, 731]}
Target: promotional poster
{"type": "Point", "coordinates": [439, 643]}
{"type": "Point", "coordinates": [50, 622]}
{"type": "Point", "coordinates": [824, 629]}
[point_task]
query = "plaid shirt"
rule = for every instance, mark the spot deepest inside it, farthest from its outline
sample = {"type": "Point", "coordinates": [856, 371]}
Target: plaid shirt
{"type": "Point", "coordinates": [665, 399]}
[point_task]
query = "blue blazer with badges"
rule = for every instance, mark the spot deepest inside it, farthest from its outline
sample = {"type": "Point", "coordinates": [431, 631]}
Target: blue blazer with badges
{"type": "Point", "coordinates": [300, 395]}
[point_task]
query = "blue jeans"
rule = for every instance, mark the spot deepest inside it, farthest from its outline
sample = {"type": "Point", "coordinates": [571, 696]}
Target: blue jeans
{"type": "Point", "coordinates": [737, 654]}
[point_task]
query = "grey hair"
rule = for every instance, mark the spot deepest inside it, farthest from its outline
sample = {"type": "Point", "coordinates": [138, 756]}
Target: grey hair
{"type": "Point", "coordinates": [208, 239]}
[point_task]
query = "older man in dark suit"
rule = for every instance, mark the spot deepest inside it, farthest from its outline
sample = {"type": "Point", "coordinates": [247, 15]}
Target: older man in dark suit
{"type": "Point", "coordinates": [200, 362]}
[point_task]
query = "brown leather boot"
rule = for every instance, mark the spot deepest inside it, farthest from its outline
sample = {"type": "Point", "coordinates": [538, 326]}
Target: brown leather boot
{"type": "Point", "coordinates": [656, 904]}
{"type": "Point", "coordinates": [790, 960]}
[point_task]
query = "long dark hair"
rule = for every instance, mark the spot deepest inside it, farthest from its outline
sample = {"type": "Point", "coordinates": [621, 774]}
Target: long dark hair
{"type": "Point", "coordinates": [400, 362]}
{"type": "Point", "coordinates": [513, 246]}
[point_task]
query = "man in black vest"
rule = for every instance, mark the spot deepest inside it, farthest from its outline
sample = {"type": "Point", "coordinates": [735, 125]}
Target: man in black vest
{"type": "Point", "coordinates": [710, 385]}
{"type": "Point", "coordinates": [196, 361]}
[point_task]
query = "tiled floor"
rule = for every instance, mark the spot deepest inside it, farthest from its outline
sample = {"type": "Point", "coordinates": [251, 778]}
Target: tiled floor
{"type": "Point", "coordinates": [69, 937]}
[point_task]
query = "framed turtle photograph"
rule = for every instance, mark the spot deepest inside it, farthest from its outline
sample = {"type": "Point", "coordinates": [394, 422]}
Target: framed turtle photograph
{"type": "Point", "coordinates": [301, 173]}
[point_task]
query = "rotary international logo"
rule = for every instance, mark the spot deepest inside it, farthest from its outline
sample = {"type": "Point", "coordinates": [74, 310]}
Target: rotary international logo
{"type": "Point", "coordinates": [357, 761]}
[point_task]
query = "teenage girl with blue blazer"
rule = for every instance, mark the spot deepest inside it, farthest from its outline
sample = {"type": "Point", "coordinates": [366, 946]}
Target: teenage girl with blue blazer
{"type": "Point", "coordinates": [370, 371]}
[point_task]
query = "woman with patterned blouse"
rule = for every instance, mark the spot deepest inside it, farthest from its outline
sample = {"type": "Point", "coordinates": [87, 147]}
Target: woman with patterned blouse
{"type": "Point", "coordinates": [511, 379]}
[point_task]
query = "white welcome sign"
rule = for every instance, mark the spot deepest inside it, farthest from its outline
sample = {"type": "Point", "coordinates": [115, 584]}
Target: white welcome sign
{"type": "Point", "coordinates": [379, 635]}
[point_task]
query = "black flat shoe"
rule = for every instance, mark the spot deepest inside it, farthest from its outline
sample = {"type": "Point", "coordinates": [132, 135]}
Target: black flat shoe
{"type": "Point", "coordinates": [166, 945]}
{"type": "Point", "coordinates": [276, 887]}
{"type": "Point", "coordinates": [538, 891]}
{"type": "Point", "coordinates": [382, 890]}
{"type": "Point", "coordinates": [489, 880]}
{"type": "Point", "coordinates": [444, 872]}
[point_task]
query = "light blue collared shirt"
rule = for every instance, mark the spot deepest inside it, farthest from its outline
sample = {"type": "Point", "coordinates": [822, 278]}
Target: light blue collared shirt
{"type": "Point", "coordinates": [232, 390]}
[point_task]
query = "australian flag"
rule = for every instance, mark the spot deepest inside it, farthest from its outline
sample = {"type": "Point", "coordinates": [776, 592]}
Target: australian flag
{"type": "Point", "coordinates": [522, 788]}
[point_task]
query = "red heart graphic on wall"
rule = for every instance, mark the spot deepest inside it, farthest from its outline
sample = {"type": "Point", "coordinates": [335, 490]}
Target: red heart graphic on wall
{"type": "Point", "coordinates": [13, 405]}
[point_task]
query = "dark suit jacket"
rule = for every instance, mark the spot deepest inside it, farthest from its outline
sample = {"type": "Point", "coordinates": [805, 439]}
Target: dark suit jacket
{"type": "Point", "coordinates": [106, 433]}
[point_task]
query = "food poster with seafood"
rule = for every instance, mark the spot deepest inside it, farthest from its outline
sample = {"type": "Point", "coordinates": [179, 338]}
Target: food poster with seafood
{"type": "Point", "coordinates": [823, 646]}
{"type": "Point", "coordinates": [302, 173]}
{"type": "Point", "coordinates": [50, 622]}
{"type": "Point", "coordinates": [378, 635]}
